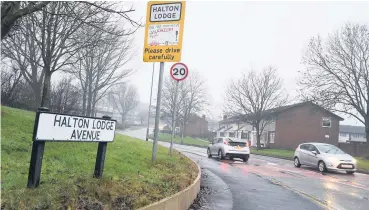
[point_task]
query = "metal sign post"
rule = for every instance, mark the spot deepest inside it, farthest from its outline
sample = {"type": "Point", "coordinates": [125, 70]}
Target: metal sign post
{"type": "Point", "coordinates": [148, 118]}
{"type": "Point", "coordinates": [163, 43]}
{"type": "Point", "coordinates": [157, 113]}
{"type": "Point", "coordinates": [179, 72]}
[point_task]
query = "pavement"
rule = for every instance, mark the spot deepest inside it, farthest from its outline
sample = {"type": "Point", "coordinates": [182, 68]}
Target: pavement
{"type": "Point", "coordinates": [272, 183]}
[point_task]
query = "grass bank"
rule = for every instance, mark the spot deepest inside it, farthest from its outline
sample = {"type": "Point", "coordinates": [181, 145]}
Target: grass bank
{"type": "Point", "coordinates": [186, 140]}
{"type": "Point", "coordinates": [281, 153]}
{"type": "Point", "coordinates": [130, 180]}
{"type": "Point", "coordinates": [362, 164]}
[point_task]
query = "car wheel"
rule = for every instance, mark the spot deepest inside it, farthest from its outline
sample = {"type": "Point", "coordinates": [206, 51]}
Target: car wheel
{"type": "Point", "coordinates": [220, 155]}
{"type": "Point", "coordinates": [209, 154]}
{"type": "Point", "coordinates": [296, 162]}
{"type": "Point", "coordinates": [350, 172]}
{"type": "Point", "coordinates": [322, 167]}
{"type": "Point", "coordinates": [246, 158]}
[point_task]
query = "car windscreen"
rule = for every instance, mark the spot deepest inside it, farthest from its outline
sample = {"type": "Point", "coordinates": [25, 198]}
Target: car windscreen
{"type": "Point", "coordinates": [236, 142]}
{"type": "Point", "coordinates": [330, 149]}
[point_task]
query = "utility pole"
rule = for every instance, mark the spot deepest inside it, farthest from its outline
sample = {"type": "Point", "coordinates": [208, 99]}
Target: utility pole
{"type": "Point", "coordinates": [174, 119]}
{"type": "Point", "coordinates": [148, 118]}
{"type": "Point", "coordinates": [157, 114]}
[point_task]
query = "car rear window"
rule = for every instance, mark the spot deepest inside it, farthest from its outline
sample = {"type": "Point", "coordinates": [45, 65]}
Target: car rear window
{"type": "Point", "coordinates": [236, 142]}
{"type": "Point", "coordinates": [303, 146]}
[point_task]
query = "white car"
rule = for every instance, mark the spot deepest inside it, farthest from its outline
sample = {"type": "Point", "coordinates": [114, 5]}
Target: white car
{"type": "Point", "coordinates": [229, 147]}
{"type": "Point", "coordinates": [324, 157]}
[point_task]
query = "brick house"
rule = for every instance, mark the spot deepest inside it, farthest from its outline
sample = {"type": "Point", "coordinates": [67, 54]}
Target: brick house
{"type": "Point", "coordinates": [290, 125]}
{"type": "Point", "coordinates": [197, 127]}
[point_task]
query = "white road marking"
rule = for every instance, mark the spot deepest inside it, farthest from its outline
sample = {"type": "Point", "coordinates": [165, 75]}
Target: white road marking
{"type": "Point", "coordinates": [272, 164]}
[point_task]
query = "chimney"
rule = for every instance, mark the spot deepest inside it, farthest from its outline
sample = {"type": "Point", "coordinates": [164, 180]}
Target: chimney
{"type": "Point", "coordinates": [224, 117]}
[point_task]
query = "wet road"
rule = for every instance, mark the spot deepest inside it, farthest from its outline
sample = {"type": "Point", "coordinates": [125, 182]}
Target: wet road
{"type": "Point", "coordinates": [270, 183]}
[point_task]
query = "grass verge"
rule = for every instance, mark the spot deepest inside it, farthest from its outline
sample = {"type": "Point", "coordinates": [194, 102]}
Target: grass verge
{"type": "Point", "coordinates": [281, 153]}
{"type": "Point", "coordinates": [362, 164]}
{"type": "Point", "coordinates": [186, 140]}
{"type": "Point", "coordinates": [130, 180]}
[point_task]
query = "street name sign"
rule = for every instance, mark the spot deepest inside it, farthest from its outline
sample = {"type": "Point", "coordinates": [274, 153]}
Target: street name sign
{"type": "Point", "coordinates": [59, 127]}
{"type": "Point", "coordinates": [179, 71]}
{"type": "Point", "coordinates": [164, 31]}
{"type": "Point", "coordinates": [54, 127]}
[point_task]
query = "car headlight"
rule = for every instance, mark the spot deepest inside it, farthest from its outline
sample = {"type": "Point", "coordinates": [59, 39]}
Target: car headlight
{"type": "Point", "coordinates": [354, 160]}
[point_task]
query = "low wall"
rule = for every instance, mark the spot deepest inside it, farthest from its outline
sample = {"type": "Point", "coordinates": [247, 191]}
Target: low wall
{"type": "Point", "coordinates": [181, 200]}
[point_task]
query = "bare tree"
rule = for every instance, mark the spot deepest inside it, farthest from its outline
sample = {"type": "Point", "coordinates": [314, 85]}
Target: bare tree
{"type": "Point", "coordinates": [53, 31]}
{"type": "Point", "coordinates": [194, 100]}
{"type": "Point", "coordinates": [11, 83]}
{"type": "Point", "coordinates": [167, 100]}
{"type": "Point", "coordinates": [252, 96]}
{"type": "Point", "coordinates": [126, 99]}
{"type": "Point", "coordinates": [12, 12]}
{"type": "Point", "coordinates": [65, 97]}
{"type": "Point", "coordinates": [337, 74]}
{"type": "Point", "coordinates": [24, 54]}
{"type": "Point", "coordinates": [101, 65]}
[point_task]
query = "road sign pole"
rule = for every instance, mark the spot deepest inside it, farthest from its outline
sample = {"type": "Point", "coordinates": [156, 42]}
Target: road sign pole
{"type": "Point", "coordinates": [174, 118]}
{"type": "Point", "coordinates": [157, 114]}
{"type": "Point", "coordinates": [148, 118]}
{"type": "Point", "coordinates": [37, 154]}
{"type": "Point", "coordinates": [100, 156]}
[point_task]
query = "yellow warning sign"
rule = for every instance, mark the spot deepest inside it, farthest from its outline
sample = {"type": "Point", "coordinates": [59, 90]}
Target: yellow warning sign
{"type": "Point", "coordinates": [164, 31]}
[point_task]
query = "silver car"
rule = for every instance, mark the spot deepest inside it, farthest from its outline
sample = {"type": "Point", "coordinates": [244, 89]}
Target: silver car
{"type": "Point", "coordinates": [325, 157]}
{"type": "Point", "coordinates": [229, 147]}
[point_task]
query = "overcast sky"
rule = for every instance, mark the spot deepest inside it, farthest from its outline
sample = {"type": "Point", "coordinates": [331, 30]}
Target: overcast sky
{"type": "Point", "coordinates": [223, 39]}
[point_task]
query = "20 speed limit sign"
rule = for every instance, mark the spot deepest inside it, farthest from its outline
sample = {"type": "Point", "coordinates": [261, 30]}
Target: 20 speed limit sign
{"type": "Point", "coordinates": [179, 71]}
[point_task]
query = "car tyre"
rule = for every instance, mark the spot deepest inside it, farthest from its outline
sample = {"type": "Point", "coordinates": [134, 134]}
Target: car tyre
{"type": "Point", "coordinates": [209, 154]}
{"type": "Point", "coordinates": [296, 162]}
{"type": "Point", "coordinates": [350, 172]}
{"type": "Point", "coordinates": [321, 166]}
{"type": "Point", "coordinates": [246, 158]}
{"type": "Point", "coordinates": [220, 155]}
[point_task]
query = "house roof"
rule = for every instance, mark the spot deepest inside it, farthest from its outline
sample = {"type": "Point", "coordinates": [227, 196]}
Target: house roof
{"type": "Point", "coordinates": [278, 110]}
{"type": "Point", "coordinates": [220, 128]}
{"type": "Point", "coordinates": [228, 128]}
{"type": "Point", "coordinates": [352, 129]}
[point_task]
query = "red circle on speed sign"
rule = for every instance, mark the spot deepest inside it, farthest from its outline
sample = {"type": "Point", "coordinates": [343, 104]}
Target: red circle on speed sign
{"type": "Point", "coordinates": [179, 71]}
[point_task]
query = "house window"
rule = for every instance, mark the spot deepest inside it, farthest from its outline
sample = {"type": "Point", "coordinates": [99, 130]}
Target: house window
{"type": "Point", "coordinates": [271, 137]}
{"type": "Point", "coordinates": [326, 122]}
{"type": "Point", "coordinates": [343, 134]}
{"type": "Point", "coordinates": [231, 134]}
{"type": "Point", "coordinates": [244, 135]}
{"type": "Point", "coordinates": [221, 134]}
{"type": "Point", "coordinates": [356, 136]}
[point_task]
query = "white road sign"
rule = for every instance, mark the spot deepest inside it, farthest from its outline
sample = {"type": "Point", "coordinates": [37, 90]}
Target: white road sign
{"type": "Point", "coordinates": [55, 127]}
{"type": "Point", "coordinates": [165, 12]}
{"type": "Point", "coordinates": [179, 71]}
